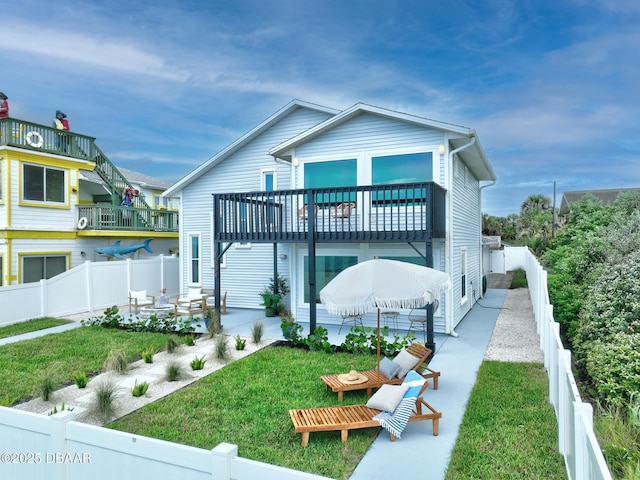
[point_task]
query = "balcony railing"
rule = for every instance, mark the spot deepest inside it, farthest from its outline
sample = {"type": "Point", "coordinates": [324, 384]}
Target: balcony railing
{"type": "Point", "coordinates": [107, 217]}
{"type": "Point", "coordinates": [32, 136]}
{"type": "Point", "coordinates": [398, 212]}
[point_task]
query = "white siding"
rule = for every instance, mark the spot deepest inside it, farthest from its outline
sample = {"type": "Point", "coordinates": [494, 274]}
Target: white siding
{"type": "Point", "coordinates": [370, 133]}
{"type": "Point", "coordinates": [465, 233]}
{"type": "Point", "coordinates": [247, 270]}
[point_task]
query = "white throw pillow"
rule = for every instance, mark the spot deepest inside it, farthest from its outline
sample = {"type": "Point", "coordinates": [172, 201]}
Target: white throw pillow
{"type": "Point", "coordinates": [194, 293]}
{"type": "Point", "coordinates": [387, 397]}
{"type": "Point", "coordinates": [139, 295]}
{"type": "Point", "coordinates": [406, 361]}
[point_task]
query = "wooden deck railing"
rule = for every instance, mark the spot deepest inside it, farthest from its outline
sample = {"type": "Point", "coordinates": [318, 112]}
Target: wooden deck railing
{"type": "Point", "coordinates": [399, 212]}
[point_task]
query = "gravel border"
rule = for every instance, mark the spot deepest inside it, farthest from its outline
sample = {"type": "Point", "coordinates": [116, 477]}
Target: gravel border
{"type": "Point", "coordinates": [515, 337]}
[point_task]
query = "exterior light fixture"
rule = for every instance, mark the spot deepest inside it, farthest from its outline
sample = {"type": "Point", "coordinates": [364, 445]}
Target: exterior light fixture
{"type": "Point", "coordinates": [296, 162]}
{"type": "Point", "coordinates": [441, 149]}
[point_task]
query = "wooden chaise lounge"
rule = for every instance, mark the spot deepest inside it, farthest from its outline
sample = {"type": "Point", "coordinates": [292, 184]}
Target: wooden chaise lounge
{"type": "Point", "coordinates": [376, 379]}
{"type": "Point", "coordinates": [345, 418]}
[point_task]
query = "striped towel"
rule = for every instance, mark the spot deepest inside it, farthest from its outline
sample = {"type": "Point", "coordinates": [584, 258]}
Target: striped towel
{"type": "Point", "coordinates": [395, 422]}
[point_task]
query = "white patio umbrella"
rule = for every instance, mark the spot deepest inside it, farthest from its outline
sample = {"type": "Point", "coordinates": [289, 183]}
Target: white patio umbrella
{"type": "Point", "coordinates": [380, 284]}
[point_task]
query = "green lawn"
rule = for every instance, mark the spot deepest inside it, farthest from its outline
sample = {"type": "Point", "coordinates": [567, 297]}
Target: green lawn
{"type": "Point", "coordinates": [60, 356]}
{"type": "Point", "coordinates": [509, 429]}
{"type": "Point", "coordinates": [31, 326]}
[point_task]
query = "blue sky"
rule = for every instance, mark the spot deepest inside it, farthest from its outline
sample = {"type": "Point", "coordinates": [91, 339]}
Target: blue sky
{"type": "Point", "coordinates": [550, 86]}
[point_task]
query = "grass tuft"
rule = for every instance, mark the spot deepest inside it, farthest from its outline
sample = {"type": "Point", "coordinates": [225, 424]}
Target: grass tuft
{"type": "Point", "coordinates": [257, 332]}
{"type": "Point", "coordinates": [174, 371]}
{"type": "Point", "coordinates": [173, 343]}
{"type": "Point", "coordinates": [117, 361]}
{"type": "Point", "coordinates": [221, 348]}
{"type": "Point", "coordinates": [103, 404]}
{"type": "Point", "coordinates": [47, 387]}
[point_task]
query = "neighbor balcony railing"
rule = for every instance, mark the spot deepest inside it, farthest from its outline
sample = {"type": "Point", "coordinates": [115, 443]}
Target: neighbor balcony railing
{"type": "Point", "coordinates": [108, 217]}
{"type": "Point", "coordinates": [397, 212]}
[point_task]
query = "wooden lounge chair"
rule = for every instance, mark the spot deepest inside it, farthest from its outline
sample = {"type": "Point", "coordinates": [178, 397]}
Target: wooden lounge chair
{"type": "Point", "coordinates": [351, 417]}
{"type": "Point", "coordinates": [376, 379]}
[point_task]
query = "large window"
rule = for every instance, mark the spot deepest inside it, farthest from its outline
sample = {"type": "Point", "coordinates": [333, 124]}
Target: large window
{"type": "Point", "coordinates": [36, 268]}
{"type": "Point", "coordinates": [194, 259]}
{"type": "Point", "coordinates": [402, 168]}
{"type": "Point", "coordinates": [327, 267]}
{"type": "Point", "coordinates": [335, 173]}
{"type": "Point", "coordinates": [43, 184]}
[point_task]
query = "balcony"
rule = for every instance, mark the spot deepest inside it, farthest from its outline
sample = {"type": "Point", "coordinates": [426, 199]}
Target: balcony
{"type": "Point", "coordinates": [32, 136]}
{"type": "Point", "coordinates": [108, 217]}
{"type": "Point", "coordinates": [379, 213]}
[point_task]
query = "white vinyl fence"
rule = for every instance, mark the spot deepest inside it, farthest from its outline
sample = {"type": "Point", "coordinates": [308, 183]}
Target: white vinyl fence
{"type": "Point", "coordinates": [88, 287]}
{"type": "Point", "coordinates": [576, 440]}
{"type": "Point", "coordinates": [33, 447]}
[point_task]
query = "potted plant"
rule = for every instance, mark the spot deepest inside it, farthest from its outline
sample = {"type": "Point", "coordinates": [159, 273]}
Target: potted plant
{"type": "Point", "coordinates": [271, 302]}
{"type": "Point", "coordinates": [270, 299]}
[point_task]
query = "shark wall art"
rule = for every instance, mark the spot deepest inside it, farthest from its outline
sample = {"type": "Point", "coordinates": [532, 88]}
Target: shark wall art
{"type": "Point", "coordinates": [119, 251]}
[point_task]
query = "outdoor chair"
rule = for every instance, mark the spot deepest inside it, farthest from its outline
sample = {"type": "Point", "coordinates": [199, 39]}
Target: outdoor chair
{"type": "Point", "coordinates": [139, 299]}
{"type": "Point", "coordinates": [418, 318]}
{"type": "Point", "coordinates": [303, 212]}
{"type": "Point", "coordinates": [195, 306]}
{"type": "Point", "coordinates": [343, 210]}
{"type": "Point", "coordinates": [389, 409]}
{"type": "Point", "coordinates": [194, 293]}
{"type": "Point", "coordinates": [391, 372]}
{"type": "Point", "coordinates": [211, 300]}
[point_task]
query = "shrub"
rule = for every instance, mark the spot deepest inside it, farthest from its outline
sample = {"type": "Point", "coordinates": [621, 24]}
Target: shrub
{"type": "Point", "coordinates": [188, 340]}
{"type": "Point", "coordinates": [198, 363]}
{"type": "Point", "coordinates": [170, 324]}
{"type": "Point", "coordinates": [241, 343]}
{"type": "Point", "coordinates": [614, 366]}
{"type": "Point", "coordinates": [140, 389]}
{"type": "Point", "coordinates": [80, 379]}
{"type": "Point", "coordinates": [173, 371]}
{"type": "Point", "coordinates": [47, 387]}
{"type": "Point", "coordinates": [117, 361]}
{"type": "Point", "coordinates": [611, 306]}
{"type": "Point", "coordinates": [104, 401]}
{"type": "Point", "coordinates": [257, 331]}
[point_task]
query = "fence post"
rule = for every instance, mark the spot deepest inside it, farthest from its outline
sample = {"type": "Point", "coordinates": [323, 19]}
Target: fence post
{"type": "Point", "coordinates": [43, 298]}
{"type": "Point", "coordinates": [221, 457]}
{"type": "Point", "coordinates": [162, 284]}
{"type": "Point", "coordinates": [129, 281]}
{"type": "Point", "coordinates": [87, 279]}
{"type": "Point", "coordinates": [59, 441]}
{"type": "Point", "coordinates": [583, 419]}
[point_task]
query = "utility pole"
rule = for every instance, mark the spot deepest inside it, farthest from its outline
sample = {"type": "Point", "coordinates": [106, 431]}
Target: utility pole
{"type": "Point", "coordinates": [553, 221]}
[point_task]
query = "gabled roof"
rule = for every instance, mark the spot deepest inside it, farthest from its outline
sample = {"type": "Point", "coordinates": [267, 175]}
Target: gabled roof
{"type": "Point", "coordinates": [474, 156]}
{"type": "Point", "coordinates": [245, 139]}
{"type": "Point", "coordinates": [606, 196]}
{"type": "Point", "coordinates": [144, 180]}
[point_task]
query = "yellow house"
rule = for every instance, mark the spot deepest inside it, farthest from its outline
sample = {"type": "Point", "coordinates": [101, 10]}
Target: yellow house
{"type": "Point", "coordinates": [61, 198]}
